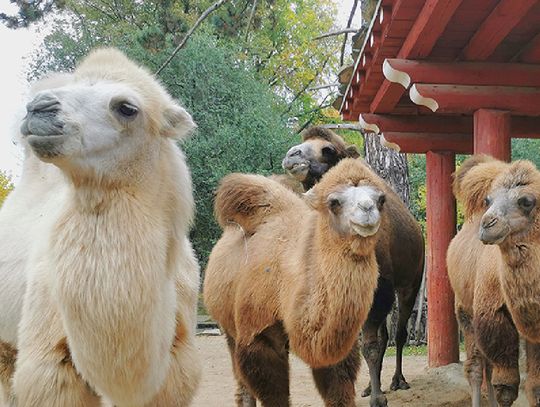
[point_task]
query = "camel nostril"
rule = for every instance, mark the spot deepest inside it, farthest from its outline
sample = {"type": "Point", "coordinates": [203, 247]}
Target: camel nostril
{"type": "Point", "coordinates": [492, 222]}
{"type": "Point", "coordinates": [43, 103]}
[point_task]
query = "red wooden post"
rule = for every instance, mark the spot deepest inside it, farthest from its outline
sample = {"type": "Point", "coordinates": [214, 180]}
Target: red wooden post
{"type": "Point", "coordinates": [441, 227]}
{"type": "Point", "coordinates": [492, 133]}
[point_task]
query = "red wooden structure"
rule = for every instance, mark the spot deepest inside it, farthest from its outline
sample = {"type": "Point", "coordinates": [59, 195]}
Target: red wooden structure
{"type": "Point", "coordinates": [443, 77]}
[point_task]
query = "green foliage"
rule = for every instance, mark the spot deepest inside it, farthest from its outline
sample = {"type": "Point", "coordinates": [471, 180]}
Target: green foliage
{"type": "Point", "coordinates": [526, 149]}
{"type": "Point", "coordinates": [6, 186]}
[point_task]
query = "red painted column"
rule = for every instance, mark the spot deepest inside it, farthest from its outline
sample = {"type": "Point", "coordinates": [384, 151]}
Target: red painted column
{"type": "Point", "coordinates": [492, 133]}
{"type": "Point", "coordinates": [443, 345]}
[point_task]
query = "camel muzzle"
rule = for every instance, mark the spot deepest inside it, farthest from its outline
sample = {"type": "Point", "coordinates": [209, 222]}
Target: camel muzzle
{"type": "Point", "coordinates": [42, 117]}
{"type": "Point", "coordinates": [492, 230]}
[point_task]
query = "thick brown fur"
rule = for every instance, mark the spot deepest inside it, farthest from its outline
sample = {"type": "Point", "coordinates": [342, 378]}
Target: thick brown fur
{"type": "Point", "coordinates": [400, 254]}
{"type": "Point", "coordinates": [281, 276]}
{"type": "Point", "coordinates": [497, 287]}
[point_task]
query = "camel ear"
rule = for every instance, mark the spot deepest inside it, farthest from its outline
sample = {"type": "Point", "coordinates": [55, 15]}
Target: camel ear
{"type": "Point", "coordinates": [310, 197]}
{"type": "Point", "coordinates": [352, 151]}
{"type": "Point", "coordinates": [178, 123]}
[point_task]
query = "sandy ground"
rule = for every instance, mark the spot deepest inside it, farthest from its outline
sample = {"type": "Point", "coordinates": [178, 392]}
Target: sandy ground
{"type": "Point", "coordinates": [429, 387]}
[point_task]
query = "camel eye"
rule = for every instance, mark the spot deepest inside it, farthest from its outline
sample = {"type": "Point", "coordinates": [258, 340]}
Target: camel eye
{"type": "Point", "coordinates": [127, 110]}
{"type": "Point", "coordinates": [381, 201]}
{"type": "Point", "coordinates": [334, 204]}
{"type": "Point", "coordinates": [527, 202]}
{"type": "Point", "coordinates": [487, 201]}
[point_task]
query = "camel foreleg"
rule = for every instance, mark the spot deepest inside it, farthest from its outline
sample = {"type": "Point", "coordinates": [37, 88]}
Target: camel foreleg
{"type": "Point", "coordinates": [264, 367]}
{"type": "Point", "coordinates": [44, 371]}
{"type": "Point", "coordinates": [532, 385]}
{"type": "Point", "coordinates": [336, 383]}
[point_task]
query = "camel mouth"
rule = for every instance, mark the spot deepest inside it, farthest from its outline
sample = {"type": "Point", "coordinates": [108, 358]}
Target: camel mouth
{"type": "Point", "coordinates": [46, 146]}
{"type": "Point", "coordinates": [365, 230]}
{"type": "Point", "coordinates": [490, 238]}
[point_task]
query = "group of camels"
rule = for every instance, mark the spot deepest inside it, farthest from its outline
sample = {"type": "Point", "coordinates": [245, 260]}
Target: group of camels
{"type": "Point", "coordinates": [100, 283]}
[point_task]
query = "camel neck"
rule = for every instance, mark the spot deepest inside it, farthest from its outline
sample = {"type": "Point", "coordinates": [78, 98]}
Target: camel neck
{"type": "Point", "coordinates": [333, 304]}
{"type": "Point", "coordinates": [520, 280]}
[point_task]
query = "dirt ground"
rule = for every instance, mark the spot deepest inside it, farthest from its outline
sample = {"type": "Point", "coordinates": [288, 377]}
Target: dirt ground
{"type": "Point", "coordinates": [429, 387]}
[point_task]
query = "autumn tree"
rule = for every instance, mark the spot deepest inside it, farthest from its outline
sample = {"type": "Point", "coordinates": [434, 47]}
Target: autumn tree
{"type": "Point", "coordinates": [6, 186]}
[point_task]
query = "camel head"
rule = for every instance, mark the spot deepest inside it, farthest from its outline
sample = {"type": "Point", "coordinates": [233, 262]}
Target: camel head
{"type": "Point", "coordinates": [511, 204]}
{"type": "Point", "coordinates": [99, 119]}
{"type": "Point", "coordinates": [351, 198]}
{"type": "Point", "coordinates": [321, 150]}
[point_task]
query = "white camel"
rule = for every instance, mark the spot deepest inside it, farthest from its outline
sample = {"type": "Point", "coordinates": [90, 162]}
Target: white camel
{"type": "Point", "coordinates": [98, 280]}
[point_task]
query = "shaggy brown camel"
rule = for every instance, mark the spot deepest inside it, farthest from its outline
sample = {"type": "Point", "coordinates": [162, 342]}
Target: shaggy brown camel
{"type": "Point", "coordinates": [298, 274]}
{"type": "Point", "coordinates": [400, 255]}
{"type": "Point", "coordinates": [493, 264]}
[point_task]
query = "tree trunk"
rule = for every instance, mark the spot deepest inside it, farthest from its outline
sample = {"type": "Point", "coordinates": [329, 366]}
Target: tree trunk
{"type": "Point", "coordinates": [388, 164]}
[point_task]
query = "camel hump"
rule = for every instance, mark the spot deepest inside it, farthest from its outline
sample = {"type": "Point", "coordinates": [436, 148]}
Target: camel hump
{"type": "Point", "coordinates": [248, 200]}
{"type": "Point", "coordinates": [473, 179]}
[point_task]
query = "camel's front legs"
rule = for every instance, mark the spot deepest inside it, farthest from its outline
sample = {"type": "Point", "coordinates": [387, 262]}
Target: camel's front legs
{"type": "Point", "coordinates": [375, 340]}
{"type": "Point", "coordinates": [8, 355]}
{"type": "Point", "coordinates": [336, 383]}
{"type": "Point", "coordinates": [498, 340]}
{"type": "Point", "coordinates": [474, 364]}
{"type": "Point", "coordinates": [532, 385]}
{"type": "Point", "coordinates": [264, 367]}
{"type": "Point", "coordinates": [242, 396]}
{"type": "Point", "coordinates": [44, 371]}
{"type": "Point", "coordinates": [406, 300]}
{"type": "Point", "coordinates": [184, 372]}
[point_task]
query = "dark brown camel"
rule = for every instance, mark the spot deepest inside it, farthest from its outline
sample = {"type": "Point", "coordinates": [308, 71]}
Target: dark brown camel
{"type": "Point", "coordinates": [400, 255]}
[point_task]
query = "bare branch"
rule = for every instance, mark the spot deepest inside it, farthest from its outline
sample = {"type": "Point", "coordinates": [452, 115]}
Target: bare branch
{"type": "Point", "coordinates": [349, 22]}
{"type": "Point", "coordinates": [342, 126]}
{"type": "Point", "coordinates": [328, 85]}
{"type": "Point", "coordinates": [203, 16]}
{"type": "Point", "coordinates": [347, 30]}
{"type": "Point", "coordinates": [250, 18]}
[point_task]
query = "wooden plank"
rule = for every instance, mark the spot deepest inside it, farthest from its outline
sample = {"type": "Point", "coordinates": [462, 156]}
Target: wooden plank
{"type": "Point", "coordinates": [492, 133]}
{"type": "Point", "coordinates": [530, 52]}
{"type": "Point", "coordinates": [465, 99]}
{"type": "Point", "coordinates": [421, 143]}
{"type": "Point", "coordinates": [504, 17]}
{"type": "Point", "coordinates": [384, 123]}
{"type": "Point", "coordinates": [441, 227]}
{"type": "Point", "coordinates": [521, 126]}
{"type": "Point", "coordinates": [405, 72]}
{"type": "Point", "coordinates": [421, 39]}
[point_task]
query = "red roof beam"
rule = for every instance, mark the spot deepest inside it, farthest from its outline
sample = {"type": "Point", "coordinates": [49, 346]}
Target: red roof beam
{"type": "Point", "coordinates": [521, 126]}
{"type": "Point", "coordinates": [502, 20]}
{"type": "Point", "coordinates": [405, 72]}
{"type": "Point", "coordinates": [530, 53]}
{"type": "Point", "coordinates": [421, 143]}
{"type": "Point", "coordinates": [421, 39]}
{"type": "Point", "coordinates": [465, 99]}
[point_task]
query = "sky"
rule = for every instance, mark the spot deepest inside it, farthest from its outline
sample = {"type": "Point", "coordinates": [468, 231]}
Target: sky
{"type": "Point", "coordinates": [16, 49]}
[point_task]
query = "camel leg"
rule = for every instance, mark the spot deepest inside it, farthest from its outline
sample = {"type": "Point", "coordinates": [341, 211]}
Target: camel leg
{"type": "Point", "coordinates": [474, 364]}
{"type": "Point", "coordinates": [372, 346]}
{"type": "Point", "coordinates": [8, 355]}
{"type": "Point", "coordinates": [336, 383]}
{"type": "Point", "coordinates": [184, 374]}
{"type": "Point", "coordinates": [243, 397]}
{"type": "Point", "coordinates": [263, 365]}
{"type": "Point", "coordinates": [498, 340]}
{"type": "Point", "coordinates": [490, 389]}
{"type": "Point", "coordinates": [44, 371]}
{"type": "Point", "coordinates": [532, 385]}
{"type": "Point", "coordinates": [406, 300]}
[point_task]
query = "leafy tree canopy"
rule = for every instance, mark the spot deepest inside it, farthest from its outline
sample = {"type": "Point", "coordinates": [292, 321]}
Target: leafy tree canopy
{"type": "Point", "coordinates": [6, 186]}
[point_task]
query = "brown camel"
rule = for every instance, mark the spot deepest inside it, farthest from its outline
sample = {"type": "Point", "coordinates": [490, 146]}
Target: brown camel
{"type": "Point", "coordinates": [296, 274]}
{"type": "Point", "coordinates": [493, 265]}
{"type": "Point", "coordinates": [400, 255]}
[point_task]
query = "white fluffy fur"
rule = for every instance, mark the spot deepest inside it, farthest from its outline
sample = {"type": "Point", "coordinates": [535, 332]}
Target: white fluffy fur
{"type": "Point", "coordinates": [97, 246]}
